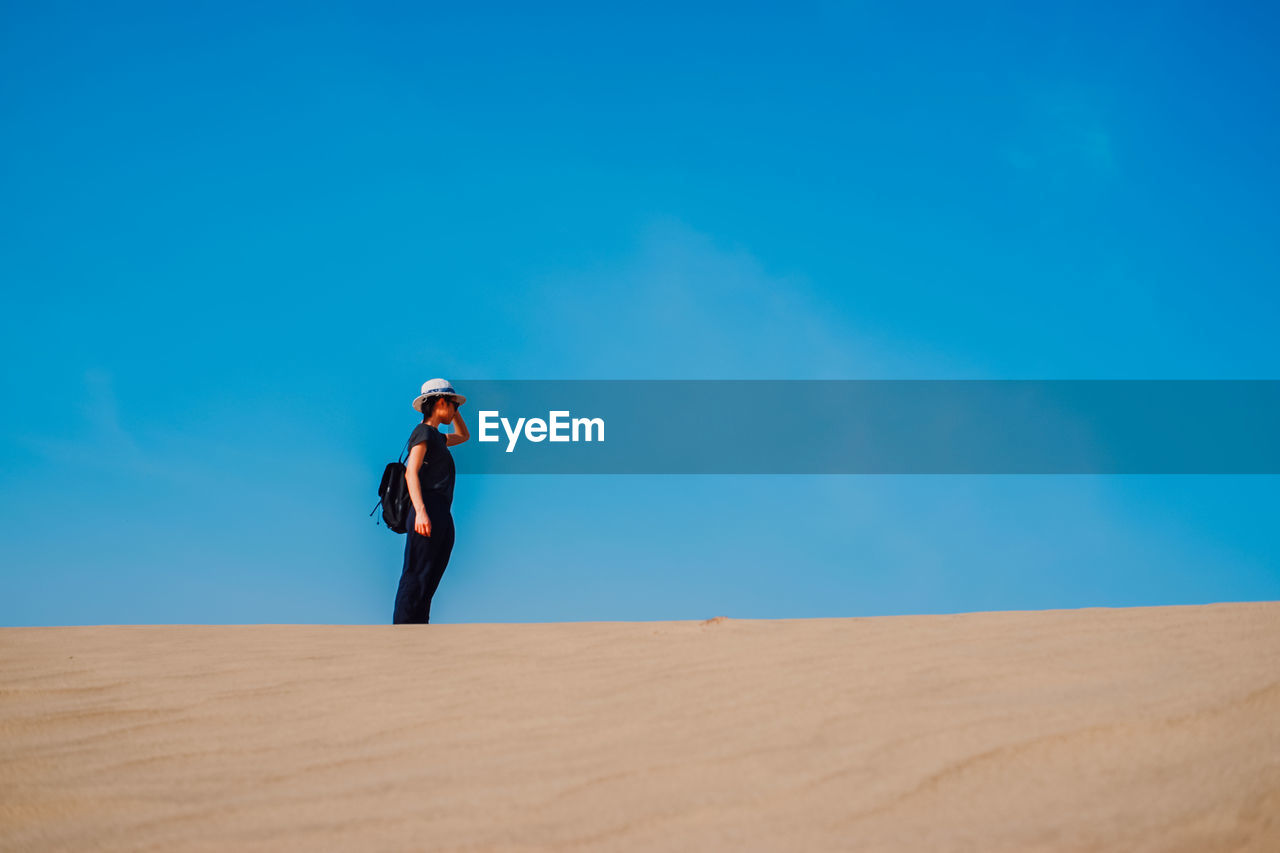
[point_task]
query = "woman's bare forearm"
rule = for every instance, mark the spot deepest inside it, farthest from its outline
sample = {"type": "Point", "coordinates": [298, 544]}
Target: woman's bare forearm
{"type": "Point", "coordinates": [460, 428]}
{"type": "Point", "coordinates": [415, 490]}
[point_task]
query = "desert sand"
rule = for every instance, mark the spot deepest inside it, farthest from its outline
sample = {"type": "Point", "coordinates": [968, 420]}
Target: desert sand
{"type": "Point", "coordinates": [1097, 729]}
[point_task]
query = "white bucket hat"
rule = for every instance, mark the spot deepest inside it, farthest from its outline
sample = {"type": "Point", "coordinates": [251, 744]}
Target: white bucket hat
{"type": "Point", "coordinates": [437, 388]}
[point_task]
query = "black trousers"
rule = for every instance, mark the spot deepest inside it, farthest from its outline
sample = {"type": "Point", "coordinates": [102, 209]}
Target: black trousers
{"type": "Point", "coordinates": [425, 559]}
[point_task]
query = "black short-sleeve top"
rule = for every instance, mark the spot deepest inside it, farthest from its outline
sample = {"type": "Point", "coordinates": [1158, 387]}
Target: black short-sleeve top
{"type": "Point", "coordinates": [437, 472]}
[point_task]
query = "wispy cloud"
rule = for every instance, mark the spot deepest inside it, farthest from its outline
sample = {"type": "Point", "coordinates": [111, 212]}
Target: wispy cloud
{"type": "Point", "coordinates": [684, 305]}
{"type": "Point", "coordinates": [98, 439]}
{"type": "Point", "coordinates": [1062, 134]}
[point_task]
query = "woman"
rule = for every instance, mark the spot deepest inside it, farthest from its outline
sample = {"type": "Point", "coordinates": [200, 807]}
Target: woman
{"type": "Point", "coordinates": [429, 474]}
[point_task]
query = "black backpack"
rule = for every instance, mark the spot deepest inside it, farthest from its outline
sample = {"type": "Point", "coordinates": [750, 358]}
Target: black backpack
{"type": "Point", "coordinates": [393, 495]}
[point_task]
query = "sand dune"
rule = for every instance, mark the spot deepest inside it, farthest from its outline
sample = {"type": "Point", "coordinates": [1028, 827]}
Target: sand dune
{"type": "Point", "coordinates": [1137, 729]}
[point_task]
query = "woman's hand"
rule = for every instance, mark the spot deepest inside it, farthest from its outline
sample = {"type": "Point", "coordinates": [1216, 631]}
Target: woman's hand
{"type": "Point", "coordinates": [423, 523]}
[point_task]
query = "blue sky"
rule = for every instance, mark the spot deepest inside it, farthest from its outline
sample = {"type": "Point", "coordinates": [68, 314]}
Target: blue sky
{"type": "Point", "coordinates": [236, 240]}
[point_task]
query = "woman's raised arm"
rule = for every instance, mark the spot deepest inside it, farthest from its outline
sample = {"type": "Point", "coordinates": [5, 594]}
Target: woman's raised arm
{"type": "Point", "coordinates": [460, 432]}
